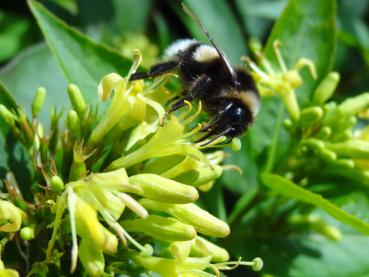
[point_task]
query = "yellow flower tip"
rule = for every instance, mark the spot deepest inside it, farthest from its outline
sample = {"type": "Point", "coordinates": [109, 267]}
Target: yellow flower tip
{"type": "Point", "coordinates": [233, 167]}
{"type": "Point", "coordinates": [10, 217]}
{"type": "Point", "coordinates": [304, 62]}
{"type": "Point", "coordinates": [8, 273]}
{"type": "Point", "coordinates": [188, 103]}
{"type": "Point", "coordinates": [107, 84]}
{"type": "Point", "coordinates": [257, 264]}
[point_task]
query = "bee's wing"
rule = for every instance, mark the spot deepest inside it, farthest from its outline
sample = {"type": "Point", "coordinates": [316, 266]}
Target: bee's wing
{"type": "Point", "coordinates": [222, 56]}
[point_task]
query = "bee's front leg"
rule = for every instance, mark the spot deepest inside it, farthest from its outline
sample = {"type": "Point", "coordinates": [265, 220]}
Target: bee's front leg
{"type": "Point", "coordinates": [156, 70]}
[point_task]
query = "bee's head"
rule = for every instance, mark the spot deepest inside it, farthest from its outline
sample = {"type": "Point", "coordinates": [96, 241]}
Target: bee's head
{"type": "Point", "coordinates": [243, 90]}
{"type": "Point", "coordinates": [243, 81]}
{"type": "Point", "coordinates": [232, 119]}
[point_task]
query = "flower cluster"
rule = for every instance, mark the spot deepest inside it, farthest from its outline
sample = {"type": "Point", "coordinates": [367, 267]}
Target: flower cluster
{"type": "Point", "coordinates": [327, 139]}
{"type": "Point", "coordinates": [326, 134]}
{"type": "Point", "coordinates": [124, 183]}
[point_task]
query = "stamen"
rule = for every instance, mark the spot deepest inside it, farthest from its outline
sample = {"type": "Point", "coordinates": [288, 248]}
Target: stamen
{"type": "Point", "coordinates": [255, 68]}
{"type": "Point", "coordinates": [277, 50]}
{"type": "Point", "coordinates": [133, 205]}
{"type": "Point", "coordinates": [210, 143]}
{"type": "Point", "coordinates": [72, 210]}
{"type": "Point", "coordinates": [303, 62]}
{"type": "Point", "coordinates": [194, 116]}
{"type": "Point", "coordinates": [158, 82]}
{"type": "Point", "coordinates": [136, 63]}
{"type": "Point", "coordinates": [185, 114]}
{"type": "Point", "coordinates": [233, 167]}
{"type": "Point", "coordinates": [194, 131]}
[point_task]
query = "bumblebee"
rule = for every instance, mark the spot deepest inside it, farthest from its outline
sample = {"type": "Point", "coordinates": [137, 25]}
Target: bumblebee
{"type": "Point", "coordinates": [228, 94]}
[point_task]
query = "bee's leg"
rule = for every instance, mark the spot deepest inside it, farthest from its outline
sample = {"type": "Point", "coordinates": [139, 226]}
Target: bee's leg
{"type": "Point", "coordinates": [217, 117]}
{"type": "Point", "coordinates": [201, 86]}
{"type": "Point", "coordinates": [180, 103]}
{"type": "Point", "coordinates": [156, 70]}
{"type": "Point", "coordinates": [217, 134]}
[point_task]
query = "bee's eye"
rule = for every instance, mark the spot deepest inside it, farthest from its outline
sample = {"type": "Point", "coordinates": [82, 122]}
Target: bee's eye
{"type": "Point", "coordinates": [237, 84]}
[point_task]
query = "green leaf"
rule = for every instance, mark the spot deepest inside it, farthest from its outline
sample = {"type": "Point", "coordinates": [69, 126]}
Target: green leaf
{"type": "Point", "coordinates": [82, 61]}
{"type": "Point", "coordinates": [306, 29]}
{"type": "Point", "coordinates": [213, 200]}
{"type": "Point", "coordinates": [6, 98]}
{"type": "Point", "coordinates": [291, 190]}
{"type": "Point", "coordinates": [32, 68]}
{"type": "Point", "coordinates": [131, 16]}
{"type": "Point", "coordinates": [233, 180]}
{"type": "Point", "coordinates": [257, 15]}
{"type": "Point", "coordinates": [15, 33]}
{"type": "Point", "coordinates": [220, 22]}
{"type": "Point", "coordinates": [304, 255]}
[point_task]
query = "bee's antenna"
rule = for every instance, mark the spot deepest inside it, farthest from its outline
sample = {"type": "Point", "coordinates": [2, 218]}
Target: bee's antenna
{"type": "Point", "coordinates": [225, 61]}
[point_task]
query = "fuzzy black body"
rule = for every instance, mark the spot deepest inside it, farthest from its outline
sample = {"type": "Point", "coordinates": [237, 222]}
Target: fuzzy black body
{"type": "Point", "coordinates": [231, 99]}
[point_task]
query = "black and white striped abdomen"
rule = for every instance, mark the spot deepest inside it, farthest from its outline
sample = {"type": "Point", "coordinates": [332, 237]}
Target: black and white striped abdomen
{"type": "Point", "coordinates": [199, 52]}
{"type": "Point", "coordinates": [177, 47]}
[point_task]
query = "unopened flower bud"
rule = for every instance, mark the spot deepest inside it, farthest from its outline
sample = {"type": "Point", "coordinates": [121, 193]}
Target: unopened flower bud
{"type": "Point", "coordinates": [10, 217]}
{"type": "Point", "coordinates": [349, 164]}
{"type": "Point", "coordinates": [203, 221]}
{"type": "Point", "coordinates": [7, 115]}
{"type": "Point", "coordinates": [164, 267]}
{"type": "Point", "coordinates": [180, 250]}
{"type": "Point", "coordinates": [74, 123]}
{"type": "Point", "coordinates": [326, 88]}
{"type": "Point", "coordinates": [107, 85]}
{"type": "Point", "coordinates": [5, 272]}
{"type": "Point", "coordinates": [202, 248]}
{"type": "Point", "coordinates": [38, 101]}
{"type": "Point", "coordinates": [324, 133]}
{"type": "Point", "coordinates": [201, 176]}
{"type": "Point", "coordinates": [354, 105]}
{"type": "Point", "coordinates": [56, 184]}
{"type": "Point", "coordinates": [309, 116]}
{"type": "Point", "coordinates": [92, 258]}
{"type": "Point", "coordinates": [77, 99]}
{"type": "Point", "coordinates": [355, 148]}
{"type": "Point", "coordinates": [27, 233]}
{"type": "Point", "coordinates": [236, 144]}
{"type": "Point", "coordinates": [327, 154]}
{"type": "Point", "coordinates": [162, 189]}
{"type": "Point", "coordinates": [162, 228]}
{"type": "Point", "coordinates": [313, 143]}
{"type": "Point", "coordinates": [90, 229]}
